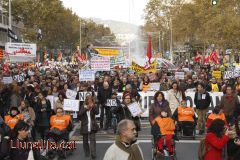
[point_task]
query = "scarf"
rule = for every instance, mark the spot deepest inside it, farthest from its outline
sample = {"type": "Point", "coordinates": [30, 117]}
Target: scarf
{"type": "Point", "coordinates": [132, 149]}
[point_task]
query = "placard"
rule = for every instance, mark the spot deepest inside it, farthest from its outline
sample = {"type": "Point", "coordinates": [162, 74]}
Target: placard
{"type": "Point", "coordinates": [154, 86]}
{"type": "Point", "coordinates": [111, 102]}
{"type": "Point", "coordinates": [135, 109]}
{"type": "Point", "coordinates": [70, 94]}
{"type": "Point", "coordinates": [19, 78]}
{"type": "Point", "coordinates": [7, 80]}
{"type": "Point", "coordinates": [52, 100]}
{"type": "Point", "coordinates": [217, 74]}
{"type": "Point", "coordinates": [86, 75]}
{"type": "Point", "coordinates": [71, 105]}
{"type": "Point", "coordinates": [100, 63]}
{"type": "Point", "coordinates": [83, 95]}
{"type": "Point", "coordinates": [179, 75]}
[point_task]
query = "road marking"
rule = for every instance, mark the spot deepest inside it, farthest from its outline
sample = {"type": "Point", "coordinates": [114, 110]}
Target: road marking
{"type": "Point", "coordinates": [141, 141]}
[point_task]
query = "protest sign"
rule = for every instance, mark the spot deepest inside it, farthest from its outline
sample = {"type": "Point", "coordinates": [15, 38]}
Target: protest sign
{"type": "Point", "coordinates": [135, 109]}
{"type": "Point", "coordinates": [52, 100]}
{"type": "Point", "coordinates": [217, 74]}
{"type": "Point", "coordinates": [19, 78]}
{"type": "Point", "coordinates": [86, 75]}
{"type": "Point", "coordinates": [71, 105]}
{"type": "Point", "coordinates": [21, 52]}
{"type": "Point", "coordinates": [83, 95]}
{"type": "Point", "coordinates": [179, 75]}
{"type": "Point", "coordinates": [100, 63]}
{"type": "Point", "coordinates": [7, 80]}
{"type": "Point", "coordinates": [154, 86]}
{"type": "Point", "coordinates": [111, 102]}
{"type": "Point", "coordinates": [70, 94]}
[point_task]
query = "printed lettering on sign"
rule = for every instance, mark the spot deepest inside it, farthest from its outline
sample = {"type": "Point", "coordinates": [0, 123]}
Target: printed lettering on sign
{"type": "Point", "coordinates": [111, 102]}
{"type": "Point", "coordinates": [83, 95]}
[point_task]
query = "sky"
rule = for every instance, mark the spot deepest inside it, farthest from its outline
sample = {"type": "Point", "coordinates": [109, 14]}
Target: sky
{"type": "Point", "coordinates": [130, 11]}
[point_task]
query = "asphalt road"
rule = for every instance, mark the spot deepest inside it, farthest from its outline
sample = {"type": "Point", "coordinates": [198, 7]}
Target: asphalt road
{"type": "Point", "coordinates": [185, 149]}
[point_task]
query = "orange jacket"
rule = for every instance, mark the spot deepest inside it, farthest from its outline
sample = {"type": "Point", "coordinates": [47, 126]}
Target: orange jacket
{"type": "Point", "coordinates": [60, 122]}
{"type": "Point", "coordinates": [214, 116]}
{"type": "Point", "coordinates": [185, 114]}
{"type": "Point", "coordinates": [12, 121]}
{"type": "Point", "coordinates": [166, 125]}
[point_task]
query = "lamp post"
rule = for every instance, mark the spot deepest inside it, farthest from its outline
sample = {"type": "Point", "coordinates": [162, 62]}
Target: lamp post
{"type": "Point", "coordinates": [80, 35]}
{"type": "Point", "coordinates": [171, 41]}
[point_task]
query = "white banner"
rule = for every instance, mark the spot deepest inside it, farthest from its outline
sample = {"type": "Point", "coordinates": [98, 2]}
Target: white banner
{"type": "Point", "coordinates": [100, 63]}
{"type": "Point", "coordinates": [52, 100]}
{"type": "Point", "coordinates": [71, 105]}
{"type": "Point", "coordinates": [86, 75]}
{"type": "Point", "coordinates": [70, 94]}
{"type": "Point", "coordinates": [21, 52]}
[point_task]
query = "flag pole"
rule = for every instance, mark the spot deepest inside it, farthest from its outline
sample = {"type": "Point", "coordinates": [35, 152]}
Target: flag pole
{"type": "Point", "coordinates": [10, 17]}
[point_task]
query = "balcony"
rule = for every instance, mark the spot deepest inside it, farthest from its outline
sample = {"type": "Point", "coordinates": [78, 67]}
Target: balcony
{"type": "Point", "coordinates": [3, 21]}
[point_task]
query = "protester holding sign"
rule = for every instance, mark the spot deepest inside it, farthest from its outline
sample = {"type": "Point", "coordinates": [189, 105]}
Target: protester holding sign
{"type": "Point", "coordinates": [89, 126]}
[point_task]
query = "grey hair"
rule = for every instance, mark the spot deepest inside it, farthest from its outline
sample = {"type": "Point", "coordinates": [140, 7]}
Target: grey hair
{"type": "Point", "coordinates": [129, 86]}
{"type": "Point", "coordinates": [122, 125]}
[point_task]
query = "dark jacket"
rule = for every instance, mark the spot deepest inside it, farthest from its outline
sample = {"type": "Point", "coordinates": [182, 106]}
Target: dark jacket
{"type": "Point", "coordinates": [156, 109]}
{"type": "Point", "coordinates": [203, 102]}
{"type": "Point", "coordinates": [39, 112]}
{"type": "Point", "coordinates": [123, 112]}
{"type": "Point", "coordinates": [84, 119]}
{"type": "Point", "coordinates": [103, 95]}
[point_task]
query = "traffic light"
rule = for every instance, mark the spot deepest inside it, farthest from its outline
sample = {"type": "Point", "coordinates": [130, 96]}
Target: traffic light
{"type": "Point", "coordinates": [214, 2]}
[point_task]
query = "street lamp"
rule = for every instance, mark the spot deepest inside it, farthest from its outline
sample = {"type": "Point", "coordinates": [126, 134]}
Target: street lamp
{"type": "Point", "coordinates": [10, 17]}
{"type": "Point", "coordinates": [214, 2]}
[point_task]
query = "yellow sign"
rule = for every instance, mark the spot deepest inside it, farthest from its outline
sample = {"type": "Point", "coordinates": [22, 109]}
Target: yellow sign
{"type": "Point", "coordinates": [139, 69]}
{"type": "Point", "coordinates": [107, 51]}
{"type": "Point", "coordinates": [217, 74]}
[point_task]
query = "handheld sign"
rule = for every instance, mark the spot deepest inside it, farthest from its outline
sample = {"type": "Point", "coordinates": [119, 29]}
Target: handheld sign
{"type": "Point", "coordinates": [135, 109]}
{"type": "Point", "coordinates": [83, 95]}
{"type": "Point", "coordinates": [86, 75]}
{"type": "Point", "coordinates": [71, 105]}
{"type": "Point", "coordinates": [7, 80]}
{"type": "Point", "coordinates": [70, 94]}
{"type": "Point", "coordinates": [111, 102]}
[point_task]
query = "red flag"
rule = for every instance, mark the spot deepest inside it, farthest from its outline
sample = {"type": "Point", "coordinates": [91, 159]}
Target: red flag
{"type": "Point", "coordinates": [214, 57]}
{"type": "Point", "coordinates": [149, 49]}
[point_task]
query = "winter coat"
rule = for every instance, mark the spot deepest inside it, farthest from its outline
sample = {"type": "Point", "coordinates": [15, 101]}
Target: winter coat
{"type": "Point", "coordinates": [174, 99]}
{"type": "Point", "coordinates": [203, 102]}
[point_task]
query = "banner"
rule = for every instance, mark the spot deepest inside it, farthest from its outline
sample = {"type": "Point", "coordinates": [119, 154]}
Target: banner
{"type": "Point", "coordinates": [139, 69]}
{"type": "Point", "coordinates": [100, 63]}
{"type": "Point", "coordinates": [107, 51]}
{"type": "Point", "coordinates": [21, 52]}
{"type": "Point", "coordinates": [86, 75]}
{"type": "Point", "coordinates": [217, 74]}
{"type": "Point", "coordinates": [179, 75]}
{"type": "Point", "coordinates": [71, 105]}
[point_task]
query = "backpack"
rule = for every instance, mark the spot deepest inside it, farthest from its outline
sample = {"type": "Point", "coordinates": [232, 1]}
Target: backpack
{"type": "Point", "coordinates": [202, 150]}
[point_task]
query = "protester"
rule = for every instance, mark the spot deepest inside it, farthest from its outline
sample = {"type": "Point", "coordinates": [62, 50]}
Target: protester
{"type": "Point", "coordinates": [229, 104]}
{"type": "Point", "coordinates": [160, 104]}
{"type": "Point", "coordinates": [14, 116]}
{"type": "Point", "coordinates": [145, 84]}
{"type": "Point", "coordinates": [175, 96]}
{"type": "Point", "coordinates": [217, 113]}
{"type": "Point", "coordinates": [59, 102]}
{"type": "Point", "coordinates": [43, 113]}
{"type": "Point", "coordinates": [89, 126]}
{"type": "Point", "coordinates": [202, 101]}
{"type": "Point", "coordinates": [216, 139]}
{"type": "Point", "coordinates": [125, 146]}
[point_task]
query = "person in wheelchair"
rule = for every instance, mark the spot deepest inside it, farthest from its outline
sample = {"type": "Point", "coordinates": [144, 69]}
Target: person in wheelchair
{"type": "Point", "coordinates": [185, 118]}
{"type": "Point", "coordinates": [217, 113]}
{"type": "Point", "coordinates": [61, 125]}
{"type": "Point", "coordinates": [166, 136]}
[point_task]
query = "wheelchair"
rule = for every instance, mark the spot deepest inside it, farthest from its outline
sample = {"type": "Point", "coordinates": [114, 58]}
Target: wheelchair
{"type": "Point", "coordinates": [61, 139]}
{"type": "Point", "coordinates": [186, 130]}
{"type": "Point", "coordinates": [164, 154]}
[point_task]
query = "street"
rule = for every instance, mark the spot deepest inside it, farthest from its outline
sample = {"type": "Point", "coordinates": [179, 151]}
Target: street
{"type": "Point", "coordinates": [185, 149]}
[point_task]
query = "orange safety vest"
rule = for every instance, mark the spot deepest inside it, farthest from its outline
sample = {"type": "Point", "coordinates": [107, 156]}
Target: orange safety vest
{"type": "Point", "coordinates": [213, 116]}
{"type": "Point", "coordinates": [166, 125]}
{"type": "Point", "coordinates": [146, 87]}
{"type": "Point", "coordinates": [12, 121]}
{"type": "Point", "coordinates": [185, 114]}
{"type": "Point", "coordinates": [60, 122]}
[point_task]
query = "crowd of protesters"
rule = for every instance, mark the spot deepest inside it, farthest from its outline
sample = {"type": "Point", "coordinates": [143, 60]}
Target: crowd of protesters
{"type": "Point", "coordinates": [26, 100]}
